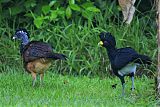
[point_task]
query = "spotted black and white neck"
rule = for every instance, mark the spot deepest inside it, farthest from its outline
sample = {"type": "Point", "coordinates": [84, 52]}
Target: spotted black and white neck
{"type": "Point", "coordinates": [24, 42]}
{"type": "Point", "coordinates": [22, 35]}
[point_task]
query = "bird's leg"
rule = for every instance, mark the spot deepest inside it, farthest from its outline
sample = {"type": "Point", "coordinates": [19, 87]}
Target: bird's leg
{"type": "Point", "coordinates": [132, 78]}
{"type": "Point", "coordinates": [123, 89]}
{"type": "Point", "coordinates": [123, 85]}
{"type": "Point", "coordinates": [34, 78]}
{"type": "Point", "coordinates": [41, 79]}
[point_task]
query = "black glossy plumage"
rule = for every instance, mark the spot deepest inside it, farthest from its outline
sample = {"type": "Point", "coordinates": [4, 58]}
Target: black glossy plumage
{"type": "Point", "coordinates": [122, 58]}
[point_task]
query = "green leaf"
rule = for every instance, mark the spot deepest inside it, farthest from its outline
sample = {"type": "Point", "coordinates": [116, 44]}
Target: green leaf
{"type": "Point", "coordinates": [30, 3]}
{"type": "Point", "coordinates": [52, 3]}
{"type": "Point", "coordinates": [15, 10]}
{"type": "Point", "coordinates": [75, 7]}
{"type": "Point", "coordinates": [46, 17]}
{"type": "Point", "coordinates": [38, 22]}
{"type": "Point", "coordinates": [71, 2]}
{"type": "Point", "coordinates": [88, 15]}
{"type": "Point", "coordinates": [93, 9]}
{"type": "Point", "coordinates": [53, 15]}
{"type": "Point", "coordinates": [46, 9]}
{"type": "Point", "coordinates": [61, 12]}
{"type": "Point", "coordinates": [28, 15]}
{"type": "Point", "coordinates": [68, 12]}
{"type": "Point", "coordinates": [87, 4]}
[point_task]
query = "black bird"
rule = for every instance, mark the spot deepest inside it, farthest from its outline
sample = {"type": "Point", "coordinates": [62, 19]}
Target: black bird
{"type": "Point", "coordinates": [37, 56]}
{"type": "Point", "coordinates": [124, 60]}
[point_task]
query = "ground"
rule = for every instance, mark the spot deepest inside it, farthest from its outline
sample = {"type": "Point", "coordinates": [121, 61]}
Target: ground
{"type": "Point", "coordinates": [16, 90]}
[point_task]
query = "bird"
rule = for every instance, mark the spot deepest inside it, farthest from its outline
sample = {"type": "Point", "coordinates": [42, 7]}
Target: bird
{"type": "Point", "coordinates": [124, 61]}
{"type": "Point", "coordinates": [36, 55]}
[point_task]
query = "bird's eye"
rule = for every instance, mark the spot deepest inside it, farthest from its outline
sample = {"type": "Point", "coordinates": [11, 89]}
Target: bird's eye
{"type": "Point", "coordinates": [105, 42]}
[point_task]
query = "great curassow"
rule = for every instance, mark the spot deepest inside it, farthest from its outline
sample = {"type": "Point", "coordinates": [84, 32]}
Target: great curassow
{"type": "Point", "coordinates": [37, 56]}
{"type": "Point", "coordinates": [124, 60]}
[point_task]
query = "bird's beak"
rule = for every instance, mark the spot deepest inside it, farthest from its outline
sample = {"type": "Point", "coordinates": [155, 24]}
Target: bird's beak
{"type": "Point", "coordinates": [100, 43]}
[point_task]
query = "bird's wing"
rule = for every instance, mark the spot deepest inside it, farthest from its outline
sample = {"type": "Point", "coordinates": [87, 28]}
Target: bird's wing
{"type": "Point", "coordinates": [123, 57]}
{"type": "Point", "coordinates": [35, 50]}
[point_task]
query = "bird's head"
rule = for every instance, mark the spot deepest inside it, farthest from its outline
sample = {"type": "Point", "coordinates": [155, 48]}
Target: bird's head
{"type": "Point", "coordinates": [107, 40]}
{"type": "Point", "coordinates": [21, 34]}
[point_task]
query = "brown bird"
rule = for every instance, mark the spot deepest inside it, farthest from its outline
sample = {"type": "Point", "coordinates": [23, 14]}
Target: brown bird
{"type": "Point", "coordinates": [37, 55]}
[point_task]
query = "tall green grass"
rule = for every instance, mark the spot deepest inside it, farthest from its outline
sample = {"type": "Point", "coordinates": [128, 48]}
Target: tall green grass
{"type": "Point", "coordinates": [78, 40]}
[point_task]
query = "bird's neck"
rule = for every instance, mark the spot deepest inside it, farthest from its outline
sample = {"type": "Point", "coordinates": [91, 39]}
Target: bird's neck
{"type": "Point", "coordinates": [24, 42]}
{"type": "Point", "coordinates": [111, 53]}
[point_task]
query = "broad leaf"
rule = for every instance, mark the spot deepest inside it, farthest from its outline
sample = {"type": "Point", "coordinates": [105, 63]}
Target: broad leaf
{"type": "Point", "coordinates": [46, 9]}
{"type": "Point", "coordinates": [52, 3]}
{"type": "Point", "coordinates": [28, 15]}
{"type": "Point", "coordinates": [68, 12]}
{"type": "Point", "coordinates": [15, 10]}
{"type": "Point", "coordinates": [61, 12]}
{"type": "Point", "coordinates": [38, 22]}
{"type": "Point", "coordinates": [30, 3]}
{"type": "Point", "coordinates": [53, 15]}
{"type": "Point", "coordinates": [87, 4]}
{"type": "Point", "coordinates": [93, 9]}
{"type": "Point", "coordinates": [88, 15]}
{"type": "Point", "coordinates": [71, 2]}
{"type": "Point", "coordinates": [75, 7]}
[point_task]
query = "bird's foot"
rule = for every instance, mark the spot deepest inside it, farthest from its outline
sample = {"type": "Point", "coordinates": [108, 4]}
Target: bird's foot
{"type": "Point", "coordinates": [33, 83]}
{"type": "Point", "coordinates": [133, 95]}
{"type": "Point", "coordinates": [132, 89]}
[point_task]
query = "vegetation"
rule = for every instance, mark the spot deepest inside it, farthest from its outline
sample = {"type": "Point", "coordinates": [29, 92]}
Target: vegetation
{"type": "Point", "coordinates": [58, 90]}
{"type": "Point", "coordinates": [87, 70]}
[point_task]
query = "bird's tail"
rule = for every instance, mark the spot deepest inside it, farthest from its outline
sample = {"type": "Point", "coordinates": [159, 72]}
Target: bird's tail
{"type": "Point", "coordinates": [56, 56]}
{"type": "Point", "coordinates": [143, 59]}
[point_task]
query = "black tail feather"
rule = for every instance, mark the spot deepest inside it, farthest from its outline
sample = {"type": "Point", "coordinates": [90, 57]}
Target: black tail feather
{"type": "Point", "coordinates": [56, 56]}
{"type": "Point", "coordinates": [143, 59]}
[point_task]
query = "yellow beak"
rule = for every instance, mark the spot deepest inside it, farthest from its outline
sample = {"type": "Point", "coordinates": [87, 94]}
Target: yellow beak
{"type": "Point", "coordinates": [100, 43]}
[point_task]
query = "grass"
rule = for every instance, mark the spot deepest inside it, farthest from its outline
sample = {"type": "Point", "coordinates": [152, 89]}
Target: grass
{"type": "Point", "coordinates": [78, 41]}
{"type": "Point", "coordinates": [58, 90]}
